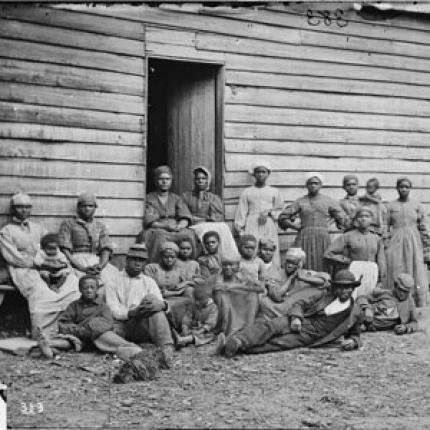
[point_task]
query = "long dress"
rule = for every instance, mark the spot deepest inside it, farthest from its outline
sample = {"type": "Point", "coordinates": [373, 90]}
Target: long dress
{"type": "Point", "coordinates": [252, 202]}
{"type": "Point", "coordinates": [350, 205]}
{"type": "Point", "coordinates": [408, 243]}
{"type": "Point", "coordinates": [364, 254]}
{"type": "Point", "coordinates": [19, 243]}
{"type": "Point", "coordinates": [208, 215]}
{"type": "Point", "coordinates": [316, 213]}
{"type": "Point", "coordinates": [169, 213]}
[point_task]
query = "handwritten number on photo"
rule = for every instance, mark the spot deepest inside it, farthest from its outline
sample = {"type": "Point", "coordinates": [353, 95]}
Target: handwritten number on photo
{"type": "Point", "coordinates": [326, 17]}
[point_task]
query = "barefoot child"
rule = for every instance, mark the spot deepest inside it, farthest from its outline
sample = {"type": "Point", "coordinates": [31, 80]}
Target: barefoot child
{"type": "Point", "coordinates": [52, 263]}
{"type": "Point", "coordinates": [199, 323]}
{"type": "Point", "coordinates": [251, 266]}
{"type": "Point", "coordinates": [210, 261]}
{"type": "Point", "coordinates": [190, 267]}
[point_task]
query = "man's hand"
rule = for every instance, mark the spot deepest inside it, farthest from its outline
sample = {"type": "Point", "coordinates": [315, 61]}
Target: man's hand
{"type": "Point", "coordinates": [400, 329]}
{"type": "Point", "coordinates": [348, 344]}
{"type": "Point", "coordinates": [262, 218]}
{"type": "Point", "coordinates": [296, 324]}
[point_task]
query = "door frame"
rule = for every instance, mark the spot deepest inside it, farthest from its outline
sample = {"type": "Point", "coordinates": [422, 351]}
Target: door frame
{"type": "Point", "coordinates": [218, 175]}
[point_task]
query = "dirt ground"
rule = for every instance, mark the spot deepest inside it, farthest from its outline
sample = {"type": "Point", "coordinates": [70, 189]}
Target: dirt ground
{"type": "Point", "coordinates": [384, 385]}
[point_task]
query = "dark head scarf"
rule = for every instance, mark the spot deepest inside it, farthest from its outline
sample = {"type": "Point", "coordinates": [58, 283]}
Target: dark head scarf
{"type": "Point", "coordinates": [160, 170]}
{"type": "Point", "coordinates": [403, 179]}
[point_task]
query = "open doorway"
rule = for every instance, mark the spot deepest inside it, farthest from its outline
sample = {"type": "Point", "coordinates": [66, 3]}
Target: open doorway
{"type": "Point", "coordinates": [184, 120]}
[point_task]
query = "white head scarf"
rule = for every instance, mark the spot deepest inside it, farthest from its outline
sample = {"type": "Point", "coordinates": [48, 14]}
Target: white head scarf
{"type": "Point", "coordinates": [263, 163]}
{"type": "Point", "coordinates": [311, 175]}
{"type": "Point", "coordinates": [20, 199]}
{"type": "Point", "coordinates": [206, 171]}
{"type": "Point", "coordinates": [296, 254]}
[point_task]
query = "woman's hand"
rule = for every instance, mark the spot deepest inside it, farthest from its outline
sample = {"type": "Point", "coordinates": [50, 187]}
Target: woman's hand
{"type": "Point", "coordinates": [262, 218]}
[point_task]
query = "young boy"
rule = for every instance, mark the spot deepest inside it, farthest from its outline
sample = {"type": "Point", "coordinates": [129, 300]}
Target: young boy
{"type": "Point", "coordinates": [251, 266]}
{"type": "Point", "coordinates": [210, 262]}
{"type": "Point", "coordinates": [199, 322]}
{"type": "Point", "coordinates": [189, 266]}
{"type": "Point", "coordinates": [51, 262]}
{"type": "Point", "coordinates": [350, 203]}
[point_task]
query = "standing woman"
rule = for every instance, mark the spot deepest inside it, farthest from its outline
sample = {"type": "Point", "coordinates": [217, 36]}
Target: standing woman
{"type": "Point", "coordinates": [19, 243]}
{"type": "Point", "coordinates": [166, 216]}
{"type": "Point", "coordinates": [255, 213]}
{"type": "Point", "coordinates": [316, 211]}
{"type": "Point", "coordinates": [409, 241]}
{"type": "Point", "coordinates": [207, 211]}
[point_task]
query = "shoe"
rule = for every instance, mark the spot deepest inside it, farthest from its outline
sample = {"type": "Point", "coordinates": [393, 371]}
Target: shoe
{"type": "Point", "coordinates": [220, 344]}
{"type": "Point", "coordinates": [232, 346]}
{"type": "Point", "coordinates": [166, 356]}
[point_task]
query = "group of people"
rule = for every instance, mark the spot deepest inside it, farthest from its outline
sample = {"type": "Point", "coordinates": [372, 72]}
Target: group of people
{"type": "Point", "coordinates": [186, 280]}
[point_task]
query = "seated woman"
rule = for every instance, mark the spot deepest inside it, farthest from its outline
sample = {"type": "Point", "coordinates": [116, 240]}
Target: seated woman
{"type": "Point", "coordinates": [175, 288]}
{"type": "Point", "coordinates": [362, 252]}
{"type": "Point", "coordinates": [166, 216]}
{"type": "Point", "coordinates": [86, 243]}
{"type": "Point", "coordinates": [19, 243]}
{"type": "Point", "coordinates": [207, 211]}
{"type": "Point", "coordinates": [292, 284]}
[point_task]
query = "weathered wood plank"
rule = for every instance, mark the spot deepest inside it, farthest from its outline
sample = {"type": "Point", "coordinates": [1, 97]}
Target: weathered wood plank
{"type": "Point", "coordinates": [334, 70]}
{"type": "Point", "coordinates": [19, 49]}
{"type": "Point", "coordinates": [71, 151]}
{"type": "Point", "coordinates": [324, 101]}
{"type": "Point", "coordinates": [331, 179]}
{"type": "Point", "coordinates": [53, 115]}
{"type": "Point", "coordinates": [351, 52]}
{"type": "Point", "coordinates": [326, 118]}
{"type": "Point", "coordinates": [236, 162]}
{"type": "Point", "coordinates": [72, 169]}
{"type": "Point", "coordinates": [13, 29]}
{"type": "Point", "coordinates": [329, 150]}
{"type": "Point", "coordinates": [321, 134]}
{"type": "Point", "coordinates": [64, 97]}
{"type": "Point", "coordinates": [325, 84]}
{"type": "Point", "coordinates": [69, 187]}
{"type": "Point", "coordinates": [76, 20]}
{"type": "Point", "coordinates": [67, 134]}
{"type": "Point", "coordinates": [52, 75]}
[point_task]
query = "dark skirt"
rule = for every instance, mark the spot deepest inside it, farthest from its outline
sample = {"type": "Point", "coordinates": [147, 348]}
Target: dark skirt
{"type": "Point", "coordinates": [314, 241]}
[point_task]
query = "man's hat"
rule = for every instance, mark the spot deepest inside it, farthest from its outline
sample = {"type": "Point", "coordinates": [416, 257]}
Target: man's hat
{"type": "Point", "coordinates": [405, 282]}
{"type": "Point", "coordinates": [138, 250]}
{"type": "Point", "coordinates": [344, 278]}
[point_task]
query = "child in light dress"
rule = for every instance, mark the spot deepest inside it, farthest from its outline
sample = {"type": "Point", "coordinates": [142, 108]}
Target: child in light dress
{"type": "Point", "coordinates": [190, 266]}
{"type": "Point", "coordinates": [250, 266]}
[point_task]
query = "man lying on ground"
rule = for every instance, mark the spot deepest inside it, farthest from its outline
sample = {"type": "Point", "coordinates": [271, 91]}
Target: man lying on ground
{"type": "Point", "coordinates": [312, 321]}
{"type": "Point", "coordinates": [387, 310]}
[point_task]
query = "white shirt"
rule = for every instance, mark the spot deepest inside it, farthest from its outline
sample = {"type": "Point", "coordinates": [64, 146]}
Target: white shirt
{"type": "Point", "coordinates": [126, 293]}
{"type": "Point", "coordinates": [336, 307]}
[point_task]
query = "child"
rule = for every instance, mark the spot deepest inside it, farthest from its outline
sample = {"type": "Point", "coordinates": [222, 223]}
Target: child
{"type": "Point", "coordinates": [256, 213]}
{"type": "Point", "coordinates": [251, 266]}
{"type": "Point", "coordinates": [272, 271]}
{"type": "Point", "coordinates": [190, 267]}
{"type": "Point", "coordinates": [350, 203]}
{"type": "Point", "coordinates": [373, 200]}
{"type": "Point", "coordinates": [199, 322]}
{"type": "Point", "coordinates": [210, 262]}
{"type": "Point", "coordinates": [51, 262]}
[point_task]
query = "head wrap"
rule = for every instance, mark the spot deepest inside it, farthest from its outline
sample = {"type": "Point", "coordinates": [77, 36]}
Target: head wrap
{"type": "Point", "coordinates": [347, 178]}
{"type": "Point", "coordinates": [295, 254]}
{"type": "Point", "coordinates": [264, 164]}
{"type": "Point", "coordinates": [311, 175]}
{"type": "Point", "coordinates": [232, 258]}
{"type": "Point", "coordinates": [87, 198]}
{"type": "Point", "coordinates": [403, 179]}
{"type": "Point", "coordinates": [138, 250]}
{"type": "Point", "coordinates": [206, 172]}
{"type": "Point", "coordinates": [405, 282]}
{"type": "Point", "coordinates": [367, 209]}
{"type": "Point", "coordinates": [20, 199]}
{"type": "Point", "coordinates": [267, 243]}
{"type": "Point", "coordinates": [160, 170]}
{"type": "Point", "coordinates": [169, 245]}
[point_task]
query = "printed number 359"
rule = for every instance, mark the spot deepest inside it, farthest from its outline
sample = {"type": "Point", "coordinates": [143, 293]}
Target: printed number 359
{"type": "Point", "coordinates": [31, 408]}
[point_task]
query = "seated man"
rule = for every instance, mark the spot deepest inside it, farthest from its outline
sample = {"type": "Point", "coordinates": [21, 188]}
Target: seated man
{"type": "Point", "coordinates": [290, 285]}
{"type": "Point", "coordinates": [386, 310]}
{"type": "Point", "coordinates": [89, 320]}
{"type": "Point", "coordinates": [314, 321]}
{"type": "Point", "coordinates": [138, 306]}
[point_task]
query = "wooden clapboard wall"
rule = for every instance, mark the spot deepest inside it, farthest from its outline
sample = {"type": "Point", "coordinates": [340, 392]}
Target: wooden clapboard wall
{"type": "Point", "coordinates": [72, 105]}
{"type": "Point", "coordinates": [327, 98]}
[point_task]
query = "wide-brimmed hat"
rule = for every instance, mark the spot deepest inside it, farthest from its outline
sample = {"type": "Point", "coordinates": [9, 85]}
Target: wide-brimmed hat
{"type": "Point", "coordinates": [138, 250]}
{"type": "Point", "coordinates": [344, 278]}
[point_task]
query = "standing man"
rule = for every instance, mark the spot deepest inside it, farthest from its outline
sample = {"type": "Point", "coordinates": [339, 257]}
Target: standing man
{"type": "Point", "coordinates": [137, 305]}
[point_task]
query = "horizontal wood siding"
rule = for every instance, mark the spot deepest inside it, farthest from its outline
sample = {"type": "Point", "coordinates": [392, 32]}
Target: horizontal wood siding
{"type": "Point", "coordinates": [336, 100]}
{"type": "Point", "coordinates": [72, 112]}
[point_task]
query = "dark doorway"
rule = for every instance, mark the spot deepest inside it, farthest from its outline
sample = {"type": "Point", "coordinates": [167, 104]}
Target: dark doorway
{"type": "Point", "coordinates": [185, 120]}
